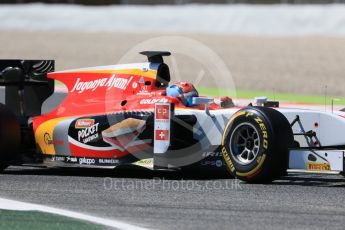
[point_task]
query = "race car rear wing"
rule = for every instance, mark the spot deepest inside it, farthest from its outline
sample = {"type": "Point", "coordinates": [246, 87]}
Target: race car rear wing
{"type": "Point", "coordinates": [26, 85]}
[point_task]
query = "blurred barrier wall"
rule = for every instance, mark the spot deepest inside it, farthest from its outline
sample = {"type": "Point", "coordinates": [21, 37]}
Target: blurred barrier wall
{"type": "Point", "coordinates": [151, 2]}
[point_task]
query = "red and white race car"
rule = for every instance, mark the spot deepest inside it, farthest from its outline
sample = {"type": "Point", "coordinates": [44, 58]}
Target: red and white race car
{"type": "Point", "coordinates": [122, 115]}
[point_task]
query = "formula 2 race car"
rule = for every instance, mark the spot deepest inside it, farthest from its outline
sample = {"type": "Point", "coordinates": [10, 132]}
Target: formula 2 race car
{"type": "Point", "coordinates": [121, 115]}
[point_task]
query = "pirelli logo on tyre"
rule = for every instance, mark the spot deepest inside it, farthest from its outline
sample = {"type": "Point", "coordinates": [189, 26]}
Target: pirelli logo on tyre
{"type": "Point", "coordinates": [227, 159]}
{"type": "Point", "coordinates": [249, 114]}
{"type": "Point", "coordinates": [263, 128]}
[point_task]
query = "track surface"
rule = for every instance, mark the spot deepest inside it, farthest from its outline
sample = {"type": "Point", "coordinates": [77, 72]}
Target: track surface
{"type": "Point", "coordinates": [203, 202]}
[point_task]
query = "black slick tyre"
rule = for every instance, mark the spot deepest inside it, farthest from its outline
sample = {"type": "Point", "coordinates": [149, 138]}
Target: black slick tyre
{"type": "Point", "coordinates": [255, 144]}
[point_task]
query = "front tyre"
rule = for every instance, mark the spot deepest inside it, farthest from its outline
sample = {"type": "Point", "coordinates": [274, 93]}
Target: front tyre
{"type": "Point", "coordinates": [255, 144]}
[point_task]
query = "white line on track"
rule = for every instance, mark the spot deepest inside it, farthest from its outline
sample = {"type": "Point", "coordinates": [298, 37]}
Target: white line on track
{"type": "Point", "coordinates": [7, 204]}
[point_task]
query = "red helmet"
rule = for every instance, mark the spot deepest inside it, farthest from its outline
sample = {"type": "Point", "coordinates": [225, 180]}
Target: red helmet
{"type": "Point", "coordinates": [185, 86]}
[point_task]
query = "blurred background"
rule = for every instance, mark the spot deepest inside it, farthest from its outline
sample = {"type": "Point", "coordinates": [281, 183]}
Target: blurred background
{"type": "Point", "coordinates": [292, 49]}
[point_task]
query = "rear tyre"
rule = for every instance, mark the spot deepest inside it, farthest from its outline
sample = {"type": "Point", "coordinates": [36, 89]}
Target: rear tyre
{"type": "Point", "coordinates": [255, 144]}
{"type": "Point", "coordinates": [9, 137]}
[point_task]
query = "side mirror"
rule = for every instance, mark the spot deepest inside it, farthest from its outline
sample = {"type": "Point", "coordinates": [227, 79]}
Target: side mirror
{"type": "Point", "coordinates": [204, 101]}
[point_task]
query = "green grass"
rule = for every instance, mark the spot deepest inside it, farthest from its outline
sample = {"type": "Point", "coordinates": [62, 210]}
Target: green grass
{"type": "Point", "coordinates": [20, 220]}
{"type": "Point", "coordinates": [59, 83]}
{"type": "Point", "coordinates": [308, 99]}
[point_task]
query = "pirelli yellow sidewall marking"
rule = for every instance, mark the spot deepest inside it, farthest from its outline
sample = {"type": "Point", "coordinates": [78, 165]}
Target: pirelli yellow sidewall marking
{"type": "Point", "coordinates": [228, 160]}
{"type": "Point", "coordinates": [224, 152]}
{"type": "Point", "coordinates": [254, 170]}
{"type": "Point", "coordinates": [264, 133]}
{"type": "Point", "coordinates": [263, 130]}
{"type": "Point", "coordinates": [229, 123]}
{"type": "Point", "coordinates": [44, 132]}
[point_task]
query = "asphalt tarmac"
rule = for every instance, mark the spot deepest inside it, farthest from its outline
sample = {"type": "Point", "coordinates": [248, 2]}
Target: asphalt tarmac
{"type": "Point", "coordinates": [172, 201]}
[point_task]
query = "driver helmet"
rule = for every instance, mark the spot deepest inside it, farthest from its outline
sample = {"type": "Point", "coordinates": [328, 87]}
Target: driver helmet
{"type": "Point", "coordinates": [183, 90]}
